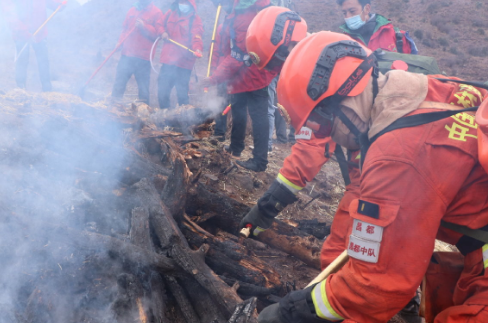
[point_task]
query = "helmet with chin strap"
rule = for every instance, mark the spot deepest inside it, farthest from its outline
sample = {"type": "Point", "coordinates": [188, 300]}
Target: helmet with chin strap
{"type": "Point", "coordinates": [322, 70]}
{"type": "Point", "coordinates": [270, 33]}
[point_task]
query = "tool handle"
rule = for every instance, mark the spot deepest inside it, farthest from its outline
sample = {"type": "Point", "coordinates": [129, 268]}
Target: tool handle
{"type": "Point", "coordinates": [217, 15]}
{"type": "Point", "coordinates": [50, 17]}
{"type": "Point", "coordinates": [246, 232]}
{"type": "Point", "coordinates": [40, 28]}
{"type": "Point", "coordinates": [334, 266]}
{"type": "Point", "coordinates": [226, 110]}
{"type": "Point", "coordinates": [184, 47]}
{"type": "Point", "coordinates": [109, 56]}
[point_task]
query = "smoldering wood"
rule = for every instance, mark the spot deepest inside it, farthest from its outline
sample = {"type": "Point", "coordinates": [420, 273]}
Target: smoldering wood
{"type": "Point", "coordinates": [175, 190]}
{"type": "Point", "coordinates": [158, 304]}
{"type": "Point", "coordinates": [127, 252]}
{"type": "Point", "coordinates": [182, 300]}
{"type": "Point", "coordinates": [229, 213]}
{"type": "Point", "coordinates": [130, 294]}
{"type": "Point", "coordinates": [250, 289]}
{"type": "Point", "coordinates": [176, 246]}
{"type": "Point", "coordinates": [139, 233]}
{"type": "Point", "coordinates": [206, 308]}
{"type": "Point", "coordinates": [245, 312]}
{"type": "Point", "coordinates": [157, 246]}
{"type": "Point", "coordinates": [39, 307]}
{"type": "Point", "coordinates": [228, 257]}
{"type": "Point", "coordinates": [140, 236]}
{"type": "Point", "coordinates": [307, 249]}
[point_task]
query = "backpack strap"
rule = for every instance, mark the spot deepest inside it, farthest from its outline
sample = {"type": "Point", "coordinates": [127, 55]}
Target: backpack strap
{"type": "Point", "coordinates": [420, 119]}
{"type": "Point", "coordinates": [235, 51]}
{"type": "Point", "coordinates": [399, 40]}
{"type": "Point", "coordinates": [343, 165]}
{"type": "Point", "coordinates": [471, 240]}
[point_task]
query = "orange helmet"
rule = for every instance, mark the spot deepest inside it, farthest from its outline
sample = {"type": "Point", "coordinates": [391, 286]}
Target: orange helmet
{"type": "Point", "coordinates": [271, 31]}
{"type": "Point", "coordinates": [482, 121]}
{"type": "Point", "coordinates": [323, 65]}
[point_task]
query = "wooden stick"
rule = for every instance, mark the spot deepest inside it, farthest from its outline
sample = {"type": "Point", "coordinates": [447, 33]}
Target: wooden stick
{"type": "Point", "coordinates": [184, 47]}
{"type": "Point", "coordinates": [40, 28]}
{"type": "Point", "coordinates": [213, 39]}
{"type": "Point", "coordinates": [337, 264]}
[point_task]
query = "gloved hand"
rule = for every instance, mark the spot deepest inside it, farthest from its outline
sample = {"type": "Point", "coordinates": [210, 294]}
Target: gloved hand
{"type": "Point", "coordinates": [271, 314]}
{"type": "Point", "coordinates": [259, 221]}
{"type": "Point", "coordinates": [295, 307]}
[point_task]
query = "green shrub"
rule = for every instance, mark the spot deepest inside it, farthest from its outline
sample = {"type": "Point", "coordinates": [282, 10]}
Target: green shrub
{"type": "Point", "coordinates": [443, 42]}
{"type": "Point", "coordinates": [419, 34]}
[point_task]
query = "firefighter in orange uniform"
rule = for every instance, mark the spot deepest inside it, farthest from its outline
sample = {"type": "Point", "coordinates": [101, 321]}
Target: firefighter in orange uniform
{"type": "Point", "coordinates": [312, 150]}
{"type": "Point", "coordinates": [270, 38]}
{"type": "Point", "coordinates": [420, 168]}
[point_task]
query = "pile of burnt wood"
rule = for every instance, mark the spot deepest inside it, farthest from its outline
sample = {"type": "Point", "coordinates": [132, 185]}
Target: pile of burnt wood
{"type": "Point", "coordinates": [102, 221]}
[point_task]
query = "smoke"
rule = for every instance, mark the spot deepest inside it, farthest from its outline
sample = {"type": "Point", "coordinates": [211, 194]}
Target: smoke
{"type": "Point", "coordinates": [61, 162]}
{"type": "Point", "coordinates": [57, 163]}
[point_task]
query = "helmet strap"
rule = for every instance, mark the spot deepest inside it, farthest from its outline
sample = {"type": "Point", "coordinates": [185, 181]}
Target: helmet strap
{"type": "Point", "coordinates": [279, 27]}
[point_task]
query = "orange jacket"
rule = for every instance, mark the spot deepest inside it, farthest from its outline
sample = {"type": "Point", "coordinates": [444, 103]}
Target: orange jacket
{"type": "Point", "coordinates": [412, 178]}
{"type": "Point", "coordinates": [308, 156]}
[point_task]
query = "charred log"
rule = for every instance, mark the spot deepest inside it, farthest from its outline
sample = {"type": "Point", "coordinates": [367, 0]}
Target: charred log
{"type": "Point", "coordinates": [175, 244]}
{"type": "Point", "coordinates": [235, 260]}
{"type": "Point", "coordinates": [229, 213]}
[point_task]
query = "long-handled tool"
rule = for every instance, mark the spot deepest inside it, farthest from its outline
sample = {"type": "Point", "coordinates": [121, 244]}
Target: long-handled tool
{"type": "Point", "coordinates": [197, 54]}
{"type": "Point", "coordinates": [213, 41]}
{"type": "Point", "coordinates": [334, 266]}
{"type": "Point", "coordinates": [82, 90]}
{"type": "Point", "coordinates": [152, 53]}
{"type": "Point", "coordinates": [40, 28]}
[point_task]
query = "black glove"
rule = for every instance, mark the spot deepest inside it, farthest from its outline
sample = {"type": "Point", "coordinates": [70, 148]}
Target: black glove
{"type": "Point", "coordinates": [276, 198]}
{"type": "Point", "coordinates": [261, 216]}
{"type": "Point", "coordinates": [259, 221]}
{"type": "Point", "coordinates": [295, 307]}
{"type": "Point", "coordinates": [271, 314]}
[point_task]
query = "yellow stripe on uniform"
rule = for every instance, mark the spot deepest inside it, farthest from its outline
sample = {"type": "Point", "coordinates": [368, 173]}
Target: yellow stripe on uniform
{"type": "Point", "coordinates": [321, 303]}
{"type": "Point", "coordinates": [485, 255]}
{"type": "Point", "coordinates": [292, 187]}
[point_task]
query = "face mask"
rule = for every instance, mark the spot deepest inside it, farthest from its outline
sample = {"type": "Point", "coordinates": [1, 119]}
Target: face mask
{"type": "Point", "coordinates": [184, 8]}
{"type": "Point", "coordinates": [355, 22]}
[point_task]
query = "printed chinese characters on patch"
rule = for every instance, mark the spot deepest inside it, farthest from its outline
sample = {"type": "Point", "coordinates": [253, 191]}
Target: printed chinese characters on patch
{"type": "Point", "coordinates": [365, 241]}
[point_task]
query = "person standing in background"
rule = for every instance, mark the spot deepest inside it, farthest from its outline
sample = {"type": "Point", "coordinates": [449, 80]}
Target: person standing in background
{"type": "Point", "coordinates": [141, 27]}
{"type": "Point", "coordinates": [224, 99]}
{"type": "Point", "coordinates": [373, 30]}
{"type": "Point", "coordinates": [24, 18]}
{"type": "Point", "coordinates": [247, 84]}
{"type": "Point", "coordinates": [180, 24]}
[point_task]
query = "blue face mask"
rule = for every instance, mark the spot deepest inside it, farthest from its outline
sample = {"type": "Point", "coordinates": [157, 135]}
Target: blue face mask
{"type": "Point", "coordinates": [355, 22]}
{"type": "Point", "coordinates": [184, 8]}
